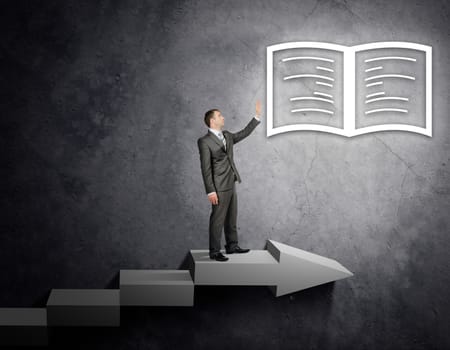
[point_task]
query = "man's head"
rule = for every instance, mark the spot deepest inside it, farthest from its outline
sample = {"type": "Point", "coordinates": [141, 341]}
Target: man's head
{"type": "Point", "coordinates": [214, 119]}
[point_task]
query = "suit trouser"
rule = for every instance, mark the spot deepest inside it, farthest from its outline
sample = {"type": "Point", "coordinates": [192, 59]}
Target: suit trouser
{"type": "Point", "coordinates": [223, 215]}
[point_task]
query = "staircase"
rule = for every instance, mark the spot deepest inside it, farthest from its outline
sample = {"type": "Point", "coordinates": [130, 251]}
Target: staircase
{"type": "Point", "coordinates": [282, 268]}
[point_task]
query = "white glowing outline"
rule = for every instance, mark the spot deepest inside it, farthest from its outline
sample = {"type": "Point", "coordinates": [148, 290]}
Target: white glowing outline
{"type": "Point", "coordinates": [390, 58]}
{"type": "Point", "coordinates": [307, 58]}
{"type": "Point", "coordinates": [325, 69]}
{"type": "Point", "coordinates": [312, 110]}
{"type": "Point", "coordinates": [349, 53]}
{"type": "Point", "coordinates": [401, 110]}
{"type": "Point", "coordinates": [388, 98]}
{"type": "Point", "coordinates": [308, 76]}
{"type": "Point", "coordinates": [323, 94]}
{"type": "Point", "coordinates": [376, 94]}
{"type": "Point", "coordinates": [400, 76]}
{"type": "Point", "coordinates": [311, 98]}
{"type": "Point", "coordinates": [374, 68]}
{"type": "Point", "coordinates": [374, 84]}
{"type": "Point", "coordinates": [324, 84]}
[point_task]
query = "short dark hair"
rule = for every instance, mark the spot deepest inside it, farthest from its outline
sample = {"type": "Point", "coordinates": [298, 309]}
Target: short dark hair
{"type": "Point", "coordinates": [209, 115]}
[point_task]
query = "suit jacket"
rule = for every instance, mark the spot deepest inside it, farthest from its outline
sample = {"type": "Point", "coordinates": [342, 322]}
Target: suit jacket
{"type": "Point", "coordinates": [218, 169]}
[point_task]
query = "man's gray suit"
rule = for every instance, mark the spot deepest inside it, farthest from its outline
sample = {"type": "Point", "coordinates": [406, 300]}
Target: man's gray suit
{"type": "Point", "coordinates": [219, 175]}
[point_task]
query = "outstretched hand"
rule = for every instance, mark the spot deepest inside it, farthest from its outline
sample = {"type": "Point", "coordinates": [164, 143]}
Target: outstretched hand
{"type": "Point", "coordinates": [258, 108]}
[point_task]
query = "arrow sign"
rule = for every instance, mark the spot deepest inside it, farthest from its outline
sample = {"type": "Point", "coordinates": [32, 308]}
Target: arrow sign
{"type": "Point", "coordinates": [283, 268]}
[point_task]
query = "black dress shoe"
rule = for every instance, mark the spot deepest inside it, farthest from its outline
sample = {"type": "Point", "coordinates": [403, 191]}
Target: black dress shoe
{"type": "Point", "coordinates": [218, 257]}
{"type": "Point", "coordinates": [237, 249]}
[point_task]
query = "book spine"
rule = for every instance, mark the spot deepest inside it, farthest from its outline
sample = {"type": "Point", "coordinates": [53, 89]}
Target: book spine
{"type": "Point", "coordinates": [349, 91]}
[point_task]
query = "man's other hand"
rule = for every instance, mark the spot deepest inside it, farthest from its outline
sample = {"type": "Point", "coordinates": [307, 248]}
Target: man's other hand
{"type": "Point", "coordinates": [213, 198]}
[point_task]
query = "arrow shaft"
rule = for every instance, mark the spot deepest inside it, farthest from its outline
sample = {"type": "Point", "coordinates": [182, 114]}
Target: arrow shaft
{"type": "Point", "coordinates": [255, 268]}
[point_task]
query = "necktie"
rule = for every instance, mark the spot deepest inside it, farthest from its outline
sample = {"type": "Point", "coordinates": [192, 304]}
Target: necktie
{"type": "Point", "coordinates": [223, 140]}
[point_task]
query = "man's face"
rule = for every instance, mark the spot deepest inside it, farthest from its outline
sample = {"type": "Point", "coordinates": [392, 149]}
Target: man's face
{"type": "Point", "coordinates": [218, 120]}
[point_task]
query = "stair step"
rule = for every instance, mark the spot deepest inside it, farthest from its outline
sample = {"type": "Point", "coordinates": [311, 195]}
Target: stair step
{"type": "Point", "coordinates": [23, 326]}
{"type": "Point", "coordinates": [255, 268]}
{"type": "Point", "coordinates": [156, 288]}
{"type": "Point", "coordinates": [84, 307]}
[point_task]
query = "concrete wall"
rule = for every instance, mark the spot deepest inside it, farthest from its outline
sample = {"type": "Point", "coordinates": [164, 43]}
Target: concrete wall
{"type": "Point", "coordinates": [102, 105]}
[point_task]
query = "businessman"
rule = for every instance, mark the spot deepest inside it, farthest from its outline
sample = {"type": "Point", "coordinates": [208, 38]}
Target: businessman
{"type": "Point", "coordinates": [219, 176]}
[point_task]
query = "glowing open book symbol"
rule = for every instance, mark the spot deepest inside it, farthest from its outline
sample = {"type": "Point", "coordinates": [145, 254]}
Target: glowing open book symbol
{"type": "Point", "coordinates": [349, 91]}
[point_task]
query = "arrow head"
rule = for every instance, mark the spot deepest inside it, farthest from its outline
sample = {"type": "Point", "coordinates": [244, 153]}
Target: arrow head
{"type": "Point", "coordinates": [299, 269]}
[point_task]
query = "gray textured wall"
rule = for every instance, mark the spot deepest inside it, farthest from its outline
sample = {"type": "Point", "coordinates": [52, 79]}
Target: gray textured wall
{"type": "Point", "coordinates": [102, 104]}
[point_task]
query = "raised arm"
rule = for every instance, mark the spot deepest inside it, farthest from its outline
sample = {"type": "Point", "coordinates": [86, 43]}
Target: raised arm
{"type": "Point", "coordinates": [240, 135]}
